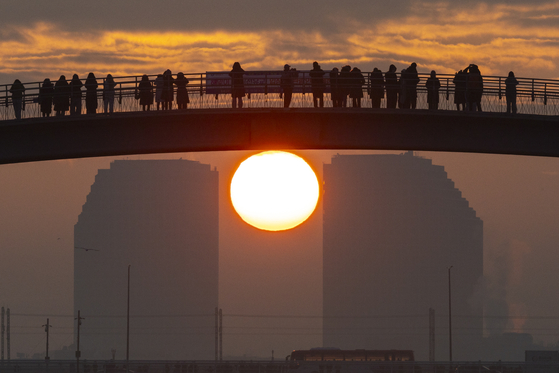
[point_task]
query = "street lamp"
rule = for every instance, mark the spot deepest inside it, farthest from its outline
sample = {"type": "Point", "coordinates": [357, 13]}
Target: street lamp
{"type": "Point", "coordinates": [449, 318]}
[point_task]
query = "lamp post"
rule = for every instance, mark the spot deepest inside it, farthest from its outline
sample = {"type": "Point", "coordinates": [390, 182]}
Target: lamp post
{"type": "Point", "coordinates": [449, 318]}
{"type": "Point", "coordinates": [128, 325]}
{"type": "Point", "coordinates": [47, 326]}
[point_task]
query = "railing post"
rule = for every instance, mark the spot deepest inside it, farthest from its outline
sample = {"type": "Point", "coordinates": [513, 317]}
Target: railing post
{"type": "Point", "coordinates": [201, 86]}
{"type": "Point", "coordinates": [500, 89]}
{"type": "Point", "coordinates": [533, 94]}
{"type": "Point", "coordinates": [447, 88]}
{"type": "Point", "coordinates": [545, 94]}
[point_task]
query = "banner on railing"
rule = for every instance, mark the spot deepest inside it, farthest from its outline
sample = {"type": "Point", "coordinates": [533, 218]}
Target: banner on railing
{"type": "Point", "coordinates": [219, 82]}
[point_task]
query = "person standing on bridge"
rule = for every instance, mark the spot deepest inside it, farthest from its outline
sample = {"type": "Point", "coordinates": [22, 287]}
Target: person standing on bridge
{"type": "Point", "coordinates": [334, 88]}
{"type": "Point", "coordinates": [75, 95]}
{"type": "Point", "coordinates": [17, 90]}
{"type": "Point", "coordinates": [108, 94]}
{"type": "Point", "coordinates": [61, 96]}
{"type": "Point", "coordinates": [392, 87]}
{"type": "Point", "coordinates": [411, 80]}
{"type": "Point", "coordinates": [356, 87]}
{"type": "Point", "coordinates": [474, 88]}
{"type": "Point", "coordinates": [45, 97]}
{"type": "Point", "coordinates": [91, 94]}
{"type": "Point", "coordinates": [168, 91]}
{"type": "Point", "coordinates": [182, 93]}
{"type": "Point", "coordinates": [376, 91]}
{"type": "Point", "coordinates": [433, 85]}
{"type": "Point", "coordinates": [145, 90]}
{"type": "Point", "coordinates": [317, 84]}
{"type": "Point", "coordinates": [460, 80]}
{"type": "Point", "coordinates": [237, 85]}
{"type": "Point", "coordinates": [287, 84]}
{"type": "Point", "coordinates": [344, 84]}
{"type": "Point", "coordinates": [510, 92]}
{"type": "Point", "coordinates": [159, 90]}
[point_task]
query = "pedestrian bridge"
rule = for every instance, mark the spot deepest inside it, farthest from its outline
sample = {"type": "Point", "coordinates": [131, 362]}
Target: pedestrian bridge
{"type": "Point", "coordinates": [209, 123]}
{"type": "Point", "coordinates": [280, 129]}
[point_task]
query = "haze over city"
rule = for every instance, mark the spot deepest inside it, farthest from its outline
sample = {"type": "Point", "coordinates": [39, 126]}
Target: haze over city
{"type": "Point", "coordinates": [263, 273]}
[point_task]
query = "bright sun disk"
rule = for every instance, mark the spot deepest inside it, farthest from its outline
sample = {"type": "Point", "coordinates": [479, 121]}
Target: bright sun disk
{"type": "Point", "coordinates": [274, 190]}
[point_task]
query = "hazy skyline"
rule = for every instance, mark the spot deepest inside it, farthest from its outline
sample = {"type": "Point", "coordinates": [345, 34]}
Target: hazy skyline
{"type": "Point", "coordinates": [262, 272]}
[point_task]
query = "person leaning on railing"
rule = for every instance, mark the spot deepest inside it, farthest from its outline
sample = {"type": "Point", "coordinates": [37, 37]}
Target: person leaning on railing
{"type": "Point", "coordinates": [334, 88]}
{"type": "Point", "coordinates": [145, 93]}
{"type": "Point", "coordinates": [108, 94]}
{"type": "Point", "coordinates": [17, 91]}
{"type": "Point", "coordinates": [317, 84]}
{"type": "Point", "coordinates": [433, 85]}
{"type": "Point", "coordinates": [61, 96]}
{"type": "Point", "coordinates": [46, 93]}
{"type": "Point", "coordinates": [91, 94]}
{"type": "Point", "coordinates": [376, 91]}
{"type": "Point", "coordinates": [75, 95]}
{"type": "Point", "coordinates": [237, 85]}
{"type": "Point", "coordinates": [510, 92]}
{"type": "Point", "coordinates": [392, 87]}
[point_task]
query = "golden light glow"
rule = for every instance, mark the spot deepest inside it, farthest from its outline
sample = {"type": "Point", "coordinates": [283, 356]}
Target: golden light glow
{"type": "Point", "coordinates": [274, 190]}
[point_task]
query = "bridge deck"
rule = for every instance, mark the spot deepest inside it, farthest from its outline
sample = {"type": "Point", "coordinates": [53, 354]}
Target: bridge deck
{"type": "Point", "coordinates": [255, 129]}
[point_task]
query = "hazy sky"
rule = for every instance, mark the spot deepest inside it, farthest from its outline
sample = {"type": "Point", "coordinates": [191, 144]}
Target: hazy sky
{"type": "Point", "coordinates": [264, 273]}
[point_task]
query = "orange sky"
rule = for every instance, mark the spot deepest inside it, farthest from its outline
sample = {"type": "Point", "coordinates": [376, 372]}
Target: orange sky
{"type": "Point", "coordinates": [39, 202]}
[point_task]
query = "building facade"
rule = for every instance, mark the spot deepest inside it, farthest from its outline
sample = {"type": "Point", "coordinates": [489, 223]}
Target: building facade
{"type": "Point", "coordinates": [161, 218]}
{"type": "Point", "coordinates": [393, 226]}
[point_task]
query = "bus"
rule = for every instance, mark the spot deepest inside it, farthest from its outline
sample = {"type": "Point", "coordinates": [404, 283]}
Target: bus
{"type": "Point", "coordinates": [336, 354]}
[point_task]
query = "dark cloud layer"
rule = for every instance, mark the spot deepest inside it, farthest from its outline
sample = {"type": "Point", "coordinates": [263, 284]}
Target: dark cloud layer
{"type": "Point", "coordinates": [327, 16]}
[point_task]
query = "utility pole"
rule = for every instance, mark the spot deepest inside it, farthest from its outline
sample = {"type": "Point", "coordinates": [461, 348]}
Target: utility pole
{"type": "Point", "coordinates": [2, 328]}
{"type": "Point", "coordinates": [128, 325]}
{"type": "Point", "coordinates": [8, 333]}
{"type": "Point", "coordinates": [47, 326]}
{"type": "Point", "coordinates": [220, 335]}
{"type": "Point", "coordinates": [449, 318]}
{"type": "Point", "coordinates": [216, 333]}
{"type": "Point", "coordinates": [78, 352]}
{"type": "Point", "coordinates": [431, 334]}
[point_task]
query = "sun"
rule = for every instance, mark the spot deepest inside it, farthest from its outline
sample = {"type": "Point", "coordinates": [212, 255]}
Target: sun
{"type": "Point", "coordinates": [274, 190]}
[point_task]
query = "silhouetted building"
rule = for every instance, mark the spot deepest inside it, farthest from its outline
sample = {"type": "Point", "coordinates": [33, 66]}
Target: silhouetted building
{"type": "Point", "coordinates": [393, 225]}
{"type": "Point", "coordinates": [160, 217]}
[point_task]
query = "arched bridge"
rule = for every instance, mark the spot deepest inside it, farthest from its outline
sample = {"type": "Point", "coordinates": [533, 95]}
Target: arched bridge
{"type": "Point", "coordinates": [209, 124]}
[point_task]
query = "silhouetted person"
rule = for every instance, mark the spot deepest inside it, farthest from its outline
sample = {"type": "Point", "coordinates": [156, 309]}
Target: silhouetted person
{"type": "Point", "coordinates": [287, 84]}
{"type": "Point", "coordinates": [108, 94]}
{"type": "Point", "coordinates": [474, 88]}
{"type": "Point", "coordinates": [91, 94]}
{"type": "Point", "coordinates": [433, 85]}
{"type": "Point", "coordinates": [159, 90]}
{"type": "Point", "coordinates": [317, 84]}
{"type": "Point", "coordinates": [237, 85]}
{"type": "Point", "coordinates": [510, 92]}
{"type": "Point", "coordinates": [460, 80]}
{"type": "Point", "coordinates": [168, 94]}
{"type": "Point", "coordinates": [344, 84]}
{"type": "Point", "coordinates": [356, 90]}
{"type": "Point", "coordinates": [392, 87]}
{"type": "Point", "coordinates": [376, 92]}
{"type": "Point", "coordinates": [411, 80]}
{"type": "Point", "coordinates": [402, 102]}
{"type": "Point", "coordinates": [61, 96]}
{"type": "Point", "coordinates": [46, 93]}
{"type": "Point", "coordinates": [17, 90]}
{"type": "Point", "coordinates": [145, 90]}
{"type": "Point", "coordinates": [76, 95]}
{"type": "Point", "coordinates": [182, 93]}
{"type": "Point", "coordinates": [334, 89]}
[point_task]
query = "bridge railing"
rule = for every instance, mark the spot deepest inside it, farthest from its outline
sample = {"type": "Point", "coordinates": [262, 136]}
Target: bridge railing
{"type": "Point", "coordinates": [534, 96]}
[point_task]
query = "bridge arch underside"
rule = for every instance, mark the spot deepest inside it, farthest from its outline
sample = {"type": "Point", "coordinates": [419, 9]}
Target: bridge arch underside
{"type": "Point", "coordinates": [265, 129]}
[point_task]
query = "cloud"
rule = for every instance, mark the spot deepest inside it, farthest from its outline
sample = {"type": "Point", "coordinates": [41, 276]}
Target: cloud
{"type": "Point", "coordinates": [436, 35]}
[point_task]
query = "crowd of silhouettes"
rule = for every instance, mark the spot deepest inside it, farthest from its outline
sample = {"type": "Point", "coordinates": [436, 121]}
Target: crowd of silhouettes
{"type": "Point", "coordinates": [399, 91]}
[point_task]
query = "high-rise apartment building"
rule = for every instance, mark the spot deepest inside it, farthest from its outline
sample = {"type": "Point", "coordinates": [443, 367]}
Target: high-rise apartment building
{"type": "Point", "coordinates": [393, 226]}
{"type": "Point", "coordinates": [161, 218]}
